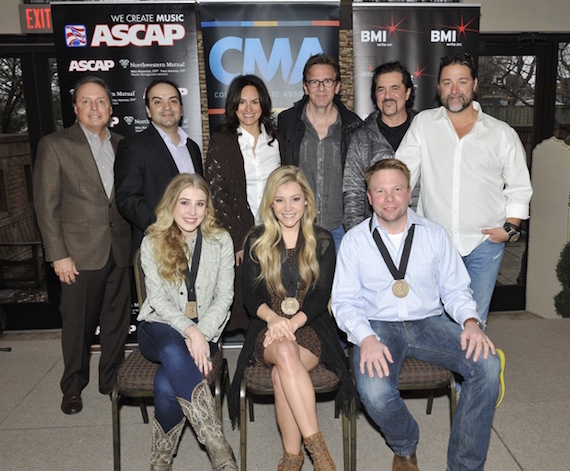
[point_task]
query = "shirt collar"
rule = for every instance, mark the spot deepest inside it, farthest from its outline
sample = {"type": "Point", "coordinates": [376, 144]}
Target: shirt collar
{"type": "Point", "coordinates": [165, 137]}
{"type": "Point", "coordinates": [241, 131]}
{"type": "Point", "coordinates": [412, 218]}
{"type": "Point", "coordinates": [92, 137]}
{"type": "Point", "coordinates": [444, 115]}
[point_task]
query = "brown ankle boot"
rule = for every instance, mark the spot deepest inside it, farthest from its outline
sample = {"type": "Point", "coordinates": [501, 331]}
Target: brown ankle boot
{"type": "Point", "coordinates": [320, 455]}
{"type": "Point", "coordinates": [405, 463]}
{"type": "Point", "coordinates": [291, 462]}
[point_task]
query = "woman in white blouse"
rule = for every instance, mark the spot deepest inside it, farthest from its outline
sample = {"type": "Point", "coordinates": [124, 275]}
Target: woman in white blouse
{"type": "Point", "coordinates": [242, 153]}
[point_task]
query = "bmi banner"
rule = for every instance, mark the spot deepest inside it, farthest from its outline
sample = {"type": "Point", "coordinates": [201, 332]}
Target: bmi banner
{"type": "Point", "coordinates": [417, 35]}
{"type": "Point", "coordinates": [272, 40]}
{"type": "Point", "coordinates": [128, 45]}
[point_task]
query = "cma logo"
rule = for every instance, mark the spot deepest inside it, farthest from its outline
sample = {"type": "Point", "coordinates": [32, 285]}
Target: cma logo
{"type": "Point", "coordinates": [374, 36]}
{"type": "Point", "coordinates": [254, 56]}
{"type": "Point", "coordinates": [122, 35]}
{"type": "Point", "coordinates": [443, 36]}
{"type": "Point", "coordinates": [91, 65]}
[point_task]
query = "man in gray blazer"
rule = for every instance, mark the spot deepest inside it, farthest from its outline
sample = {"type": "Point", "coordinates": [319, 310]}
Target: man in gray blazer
{"type": "Point", "coordinates": [85, 238]}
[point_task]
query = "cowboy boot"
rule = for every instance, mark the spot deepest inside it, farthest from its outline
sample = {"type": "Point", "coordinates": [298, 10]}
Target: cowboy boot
{"type": "Point", "coordinates": [164, 445]}
{"type": "Point", "coordinates": [320, 455]}
{"type": "Point", "coordinates": [201, 413]}
{"type": "Point", "coordinates": [291, 462]}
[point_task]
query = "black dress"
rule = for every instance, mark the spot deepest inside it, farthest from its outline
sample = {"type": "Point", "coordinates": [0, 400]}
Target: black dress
{"type": "Point", "coordinates": [315, 306]}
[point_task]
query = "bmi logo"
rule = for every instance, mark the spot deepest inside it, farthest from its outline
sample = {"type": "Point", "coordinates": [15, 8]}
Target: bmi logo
{"type": "Point", "coordinates": [75, 35]}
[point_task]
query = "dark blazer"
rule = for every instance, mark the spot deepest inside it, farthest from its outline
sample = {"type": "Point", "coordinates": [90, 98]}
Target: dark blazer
{"type": "Point", "coordinates": [143, 170]}
{"type": "Point", "coordinates": [292, 128]}
{"type": "Point", "coordinates": [75, 216]}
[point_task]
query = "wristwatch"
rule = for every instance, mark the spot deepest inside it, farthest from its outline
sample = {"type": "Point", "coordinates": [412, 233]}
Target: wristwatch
{"type": "Point", "coordinates": [477, 322]}
{"type": "Point", "coordinates": [513, 231]}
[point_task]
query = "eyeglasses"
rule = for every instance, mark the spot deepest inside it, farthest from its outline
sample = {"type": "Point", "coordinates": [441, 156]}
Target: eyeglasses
{"type": "Point", "coordinates": [327, 83]}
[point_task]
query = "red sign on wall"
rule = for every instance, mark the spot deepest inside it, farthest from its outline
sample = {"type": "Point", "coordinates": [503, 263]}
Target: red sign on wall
{"type": "Point", "coordinates": [35, 19]}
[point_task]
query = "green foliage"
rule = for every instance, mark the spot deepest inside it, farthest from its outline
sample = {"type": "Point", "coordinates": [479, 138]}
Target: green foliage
{"type": "Point", "coordinates": [562, 299]}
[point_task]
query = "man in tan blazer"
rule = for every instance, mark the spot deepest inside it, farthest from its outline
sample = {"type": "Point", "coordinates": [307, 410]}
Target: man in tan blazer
{"type": "Point", "coordinates": [85, 238]}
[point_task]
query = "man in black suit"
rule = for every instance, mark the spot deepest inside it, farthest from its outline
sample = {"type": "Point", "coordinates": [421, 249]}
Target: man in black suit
{"type": "Point", "coordinates": [146, 162]}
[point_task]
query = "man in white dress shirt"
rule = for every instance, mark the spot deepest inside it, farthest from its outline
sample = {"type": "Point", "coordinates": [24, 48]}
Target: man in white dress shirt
{"type": "Point", "coordinates": [394, 273]}
{"type": "Point", "coordinates": [474, 176]}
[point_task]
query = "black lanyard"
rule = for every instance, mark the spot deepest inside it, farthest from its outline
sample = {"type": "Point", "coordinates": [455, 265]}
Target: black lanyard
{"type": "Point", "coordinates": [397, 273]}
{"type": "Point", "coordinates": [290, 275]}
{"type": "Point", "coordinates": [191, 274]}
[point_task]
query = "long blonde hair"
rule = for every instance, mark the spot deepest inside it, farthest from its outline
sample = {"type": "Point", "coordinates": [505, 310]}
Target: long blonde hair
{"type": "Point", "coordinates": [170, 249]}
{"type": "Point", "coordinates": [268, 248]}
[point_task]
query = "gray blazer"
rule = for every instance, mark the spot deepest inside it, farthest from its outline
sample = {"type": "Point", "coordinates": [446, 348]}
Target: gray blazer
{"type": "Point", "coordinates": [166, 302]}
{"type": "Point", "coordinates": [75, 216]}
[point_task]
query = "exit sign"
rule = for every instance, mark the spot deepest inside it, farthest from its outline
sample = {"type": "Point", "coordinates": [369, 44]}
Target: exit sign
{"type": "Point", "coordinates": [35, 19]}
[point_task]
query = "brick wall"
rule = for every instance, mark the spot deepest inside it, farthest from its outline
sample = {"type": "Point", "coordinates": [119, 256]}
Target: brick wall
{"type": "Point", "coordinates": [17, 210]}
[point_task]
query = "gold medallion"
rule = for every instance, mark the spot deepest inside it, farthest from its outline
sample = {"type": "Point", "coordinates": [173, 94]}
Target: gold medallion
{"type": "Point", "coordinates": [290, 306]}
{"type": "Point", "coordinates": [400, 288]}
{"type": "Point", "coordinates": [191, 311]}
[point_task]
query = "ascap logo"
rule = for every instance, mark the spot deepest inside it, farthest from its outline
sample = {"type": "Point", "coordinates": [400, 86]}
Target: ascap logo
{"type": "Point", "coordinates": [443, 36]}
{"type": "Point", "coordinates": [124, 63]}
{"type": "Point", "coordinates": [122, 35]}
{"type": "Point", "coordinates": [75, 35]}
{"type": "Point", "coordinates": [255, 59]}
{"type": "Point", "coordinates": [91, 65]}
{"type": "Point", "coordinates": [380, 36]}
{"type": "Point", "coordinates": [129, 120]}
{"type": "Point", "coordinates": [114, 121]}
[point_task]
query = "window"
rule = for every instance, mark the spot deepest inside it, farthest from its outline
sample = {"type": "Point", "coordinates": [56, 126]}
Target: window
{"type": "Point", "coordinates": [12, 104]}
{"type": "Point", "coordinates": [562, 106]}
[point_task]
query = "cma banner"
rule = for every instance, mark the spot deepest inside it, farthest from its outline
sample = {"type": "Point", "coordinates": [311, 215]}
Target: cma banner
{"type": "Point", "coordinates": [417, 35]}
{"type": "Point", "coordinates": [272, 40]}
{"type": "Point", "coordinates": [129, 45]}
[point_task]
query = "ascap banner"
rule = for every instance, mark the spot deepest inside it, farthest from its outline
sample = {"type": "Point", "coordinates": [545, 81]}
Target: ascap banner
{"type": "Point", "coordinates": [417, 35]}
{"type": "Point", "coordinates": [128, 45]}
{"type": "Point", "coordinates": [272, 40]}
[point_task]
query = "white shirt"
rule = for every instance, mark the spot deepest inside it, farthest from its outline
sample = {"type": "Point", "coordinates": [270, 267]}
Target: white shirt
{"type": "Point", "coordinates": [467, 184]}
{"type": "Point", "coordinates": [258, 164]}
{"type": "Point", "coordinates": [362, 286]}
{"type": "Point", "coordinates": [104, 157]}
{"type": "Point", "coordinates": [180, 152]}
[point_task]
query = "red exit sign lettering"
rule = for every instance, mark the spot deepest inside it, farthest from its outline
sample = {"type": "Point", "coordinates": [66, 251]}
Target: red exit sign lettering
{"type": "Point", "coordinates": [35, 19]}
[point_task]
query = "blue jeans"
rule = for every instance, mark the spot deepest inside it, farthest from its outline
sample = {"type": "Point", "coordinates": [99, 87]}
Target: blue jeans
{"type": "Point", "coordinates": [435, 340]}
{"type": "Point", "coordinates": [483, 267]}
{"type": "Point", "coordinates": [338, 234]}
{"type": "Point", "coordinates": [177, 375]}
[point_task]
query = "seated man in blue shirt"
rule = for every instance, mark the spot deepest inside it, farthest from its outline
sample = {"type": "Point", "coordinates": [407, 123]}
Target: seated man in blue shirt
{"type": "Point", "coordinates": [393, 273]}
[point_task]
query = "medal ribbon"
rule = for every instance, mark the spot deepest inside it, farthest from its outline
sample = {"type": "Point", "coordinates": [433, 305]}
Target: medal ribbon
{"type": "Point", "coordinates": [290, 275]}
{"type": "Point", "coordinates": [190, 275]}
{"type": "Point", "coordinates": [397, 273]}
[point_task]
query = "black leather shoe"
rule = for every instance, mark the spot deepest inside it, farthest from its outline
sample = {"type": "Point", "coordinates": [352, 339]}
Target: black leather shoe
{"type": "Point", "coordinates": [71, 404]}
{"type": "Point", "coordinates": [105, 391]}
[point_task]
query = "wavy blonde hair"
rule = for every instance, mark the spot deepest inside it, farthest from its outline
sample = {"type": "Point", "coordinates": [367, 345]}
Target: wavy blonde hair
{"type": "Point", "coordinates": [268, 248]}
{"type": "Point", "coordinates": [170, 249]}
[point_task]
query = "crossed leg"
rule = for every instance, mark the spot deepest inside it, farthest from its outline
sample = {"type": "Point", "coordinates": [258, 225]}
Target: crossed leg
{"type": "Point", "coordinates": [295, 403]}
